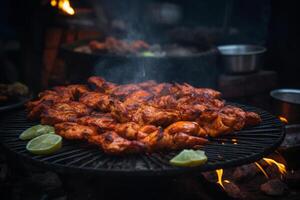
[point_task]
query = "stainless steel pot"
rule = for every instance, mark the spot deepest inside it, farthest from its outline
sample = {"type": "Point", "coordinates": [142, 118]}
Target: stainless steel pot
{"type": "Point", "coordinates": [241, 59]}
{"type": "Point", "coordinates": [286, 103]}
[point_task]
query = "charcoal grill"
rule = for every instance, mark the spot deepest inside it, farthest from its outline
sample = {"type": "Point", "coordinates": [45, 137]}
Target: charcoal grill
{"type": "Point", "coordinates": [241, 147]}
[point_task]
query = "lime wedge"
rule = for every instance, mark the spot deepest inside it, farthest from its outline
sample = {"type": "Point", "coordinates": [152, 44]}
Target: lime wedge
{"type": "Point", "coordinates": [44, 144]}
{"type": "Point", "coordinates": [35, 131]}
{"type": "Point", "coordinates": [189, 158]}
{"type": "Point", "coordinates": [148, 54]}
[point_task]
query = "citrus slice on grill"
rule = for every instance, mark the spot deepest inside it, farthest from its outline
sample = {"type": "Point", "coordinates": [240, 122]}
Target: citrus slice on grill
{"type": "Point", "coordinates": [35, 131]}
{"type": "Point", "coordinates": [44, 144]}
{"type": "Point", "coordinates": [189, 158]}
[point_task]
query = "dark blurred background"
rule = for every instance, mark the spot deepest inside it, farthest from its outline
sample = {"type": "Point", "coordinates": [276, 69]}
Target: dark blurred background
{"type": "Point", "coordinates": [32, 31]}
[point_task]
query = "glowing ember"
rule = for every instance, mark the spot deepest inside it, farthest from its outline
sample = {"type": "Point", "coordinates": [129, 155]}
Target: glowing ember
{"type": "Point", "coordinates": [220, 176]}
{"type": "Point", "coordinates": [283, 119]}
{"type": "Point", "coordinates": [280, 166]}
{"type": "Point", "coordinates": [53, 3]}
{"type": "Point", "coordinates": [226, 181]}
{"type": "Point", "coordinates": [262, 170]}
{"type": "Point", "coordinates": [63, 5]}
{"type": "Point", "coordinates": [234, 141]}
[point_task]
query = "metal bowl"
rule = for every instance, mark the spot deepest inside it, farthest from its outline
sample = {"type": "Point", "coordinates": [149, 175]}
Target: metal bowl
{"type": "Point", "coordinates": [286, 103]}
{"type": "Point", "coordinates": [241, 59]}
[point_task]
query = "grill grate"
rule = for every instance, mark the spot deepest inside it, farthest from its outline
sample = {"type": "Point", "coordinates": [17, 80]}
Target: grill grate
{"type": "Point", "coordinates": [252, 144]}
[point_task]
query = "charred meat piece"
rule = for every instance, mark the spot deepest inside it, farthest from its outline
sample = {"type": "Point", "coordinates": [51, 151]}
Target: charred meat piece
{"type": "Point", "coordinates": [160, 117]}
{"type": "Point", "coordinates": [100, 85]}
{"type": "Point", "coordinates": [225, 120]}
{"type": "Point", "coordinates": [136, 98]}
{"type": "Point", "coordinates": [46, 99]}
{"type": "Point", "coordinates": [96, 100]}
{"type": "Point", "coordinates": [78, 90]}
{"type": "Point", "coordinates": [63, 112]}
{"type": "Point", "coordinates": [74, 131]}
{"type": "Point", "coordinates": [102, 121]}
{"type": "Point", "coordinates": [187, 90]}
{"type": "Point", "coordinates": [161, 89]}
{"type": "Point", "coordinates": [128, 130]}
{"type": "Point", "coordinates": [112, 143]}
{"type": "Point", "coordinates": [160, 140]}
{"type": "Point", "coordinates": [134, 131]}
{"type": "Point", "coordinates": [252, 119]}
{"type": "Point", "coordinates": [147, 84]}
{"type": "Point", "coordinates": [122, 91]}
{"type": "Point", "coordinates": [164, 102]}
{"type": "Point", "coordinates": [186, 127]}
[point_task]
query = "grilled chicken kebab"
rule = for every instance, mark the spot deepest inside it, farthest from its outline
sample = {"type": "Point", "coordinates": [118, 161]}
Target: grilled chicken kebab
{"type": "Point", "coordinates": [142, 117]}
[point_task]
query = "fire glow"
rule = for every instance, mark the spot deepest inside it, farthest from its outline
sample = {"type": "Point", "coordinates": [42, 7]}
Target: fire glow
{"type": "Point", "coordinates": [283, 119]}
{"type": "Point", "coordinates": [220, 177]}
{"type": "Point", "coordinates": [262, 169]}
{"type": "Point", "coordinates": [63, 5]}
{"type": "Point", "coordinates": [234, 141]}
{"type": "Point", "coordinates": [281, 167]}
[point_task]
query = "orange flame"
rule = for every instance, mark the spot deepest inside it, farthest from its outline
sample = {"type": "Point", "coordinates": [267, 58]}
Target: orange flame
{"type": "Point", "coordinates": [281, 167]}
{"type": "Point", "coordinates": [262, 170]}
{"type": "Point", "coordinates": [220, 177]}
{"type": "Point", "coordinates": [283, 119]}
{"type": "Point", "coordinates": [63, 5]}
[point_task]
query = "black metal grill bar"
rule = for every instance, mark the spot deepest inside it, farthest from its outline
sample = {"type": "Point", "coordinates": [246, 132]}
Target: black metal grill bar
{"type": "Point", "coordinates": [89, 161]}
{"type": "Point", "coordinates": [65, 154]}
{"type": "Point", "coordinates": [70, 157]}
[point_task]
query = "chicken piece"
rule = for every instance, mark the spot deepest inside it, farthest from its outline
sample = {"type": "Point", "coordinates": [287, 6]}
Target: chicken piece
{"type": "Point", "coordinates": [161, 89]}
{"type": "Point", "coordinates": [46, 99]}
{"type": "Point", "coordinates": [155, 116]}
{"type": "Point", "coordinates": [185, 141]}
{"type": "Point", "coordinates": [122, 91]}
{"type": "Point", "coordinates": [164, 102]}
{"type": "Point", "coordinates": [78, 90]}
{"type": "Point", "coordinates": [223, 121]}
{"type": "Point", "coordinates": [252, 119]}
{"type": "Point", "coordinates": [147, 84]}
{"type": "Point", "coordinates": [190, 112]}
{"type": "Point", "coordinates": [233, 117]}
{"type": "Point", "coordinates": [160, 140]}
{"type": "Point", "coordinates": [157, 140]}
{"type": "Point", "coordinates": [74, 131]}
{"type": "Point", "coordinates": [133, 131]}
{"type": "Point", "coordinates": [112, 143]}
{"type": "Point", "coordinates": [189, 128]}
{"type": "Point", "coordinates": [50, 97]}
{"type": "Point", "coordinates": [100, 85]}
{"type": "Point", "coordinates": [133, 100]}
{"type": "Point", "coordinates": [188, 90]}
{"type": "Point", "coordinates": [96, 100]}
{"type": "Point", "coordinates": [120, 112]}
{"type": "Point", "coordinates": [103, 122]}
{"type": "Point", "coordinates": [215, 128]}
{"type": "Point", "coordinates": [128, 130]}
{"type": "Point", "coordinates": [91, 99]}
{"type": "Point", "coordinates": [36, 111]}
{"type": "Point", "coordinates": [63, 112]}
